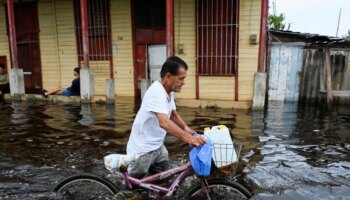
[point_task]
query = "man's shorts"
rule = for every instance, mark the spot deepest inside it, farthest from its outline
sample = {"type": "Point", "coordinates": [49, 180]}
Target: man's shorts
{"type": "Point", "coordinates": [66, 92]}
{"type": "Point", "coordinates": [152, 162]}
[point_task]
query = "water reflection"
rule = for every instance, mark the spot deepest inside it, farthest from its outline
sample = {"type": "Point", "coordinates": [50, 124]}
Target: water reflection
{"type": "Point", "coordinates": [290, 152]}
{"type": "Point", "coordinates": [87, 114]}
{"type": "Point", "coordinates": [298, 156]}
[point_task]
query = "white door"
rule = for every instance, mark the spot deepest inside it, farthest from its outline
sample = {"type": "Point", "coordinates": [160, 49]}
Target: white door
{"type": "Point", "coordinates": [156, 59]}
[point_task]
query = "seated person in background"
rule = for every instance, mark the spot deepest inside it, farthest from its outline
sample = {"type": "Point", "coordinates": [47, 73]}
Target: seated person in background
{"type": "Point", "coordinates": [4, 80]}
{"type": "Point", "coordinates": [73, 90]}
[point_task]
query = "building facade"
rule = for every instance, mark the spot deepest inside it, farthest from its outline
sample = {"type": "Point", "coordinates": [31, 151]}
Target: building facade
{"type": "Point", "coordinates": [219, 39]}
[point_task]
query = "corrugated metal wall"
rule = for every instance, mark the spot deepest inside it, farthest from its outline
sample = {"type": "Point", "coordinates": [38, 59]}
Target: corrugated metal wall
{"type": "Point", "coordinates": [284, 72]}
{"type": "Point", "coordinates": [313, 76]}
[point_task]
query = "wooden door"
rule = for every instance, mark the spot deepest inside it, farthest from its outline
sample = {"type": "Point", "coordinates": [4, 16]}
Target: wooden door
{"type": "Point", "coordinates": [148, 18]}
{"type": "Point", "coordinates": [3, 61]}
{"type": "Point", "coordinates": [27, 31]}
{"type": "Point", "coordinates": [140, 66]}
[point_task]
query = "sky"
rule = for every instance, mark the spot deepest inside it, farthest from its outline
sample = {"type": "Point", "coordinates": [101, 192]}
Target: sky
{"type": "Point", "coordinates": [315, 16]}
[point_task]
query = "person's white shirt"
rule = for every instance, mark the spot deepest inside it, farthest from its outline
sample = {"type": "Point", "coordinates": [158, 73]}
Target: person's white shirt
{"type": "Point", "coordinates": [146, 133]}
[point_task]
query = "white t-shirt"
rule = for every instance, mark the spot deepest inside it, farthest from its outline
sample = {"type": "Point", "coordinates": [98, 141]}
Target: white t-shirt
{"type": "Point", "coordinates": [146, 134]}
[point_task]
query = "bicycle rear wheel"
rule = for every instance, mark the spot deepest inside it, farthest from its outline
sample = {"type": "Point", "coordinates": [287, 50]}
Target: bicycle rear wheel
{"type": "Point", "coordinates": [85, 186]}
{"type": "Point", "coordinates": [220, 189]}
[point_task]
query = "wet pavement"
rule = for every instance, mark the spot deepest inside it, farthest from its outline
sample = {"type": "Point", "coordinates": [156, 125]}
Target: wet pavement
{"type": "Point", "coordinates": [289, 152]}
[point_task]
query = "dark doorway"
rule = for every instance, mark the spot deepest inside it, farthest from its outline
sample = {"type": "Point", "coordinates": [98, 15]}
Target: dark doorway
{"type": "Point", "coordinates": [27, 32]}
{"type": "Point", "coordinates": [3, 61]}
{"type": "Point", "coordinates": [148, 29]}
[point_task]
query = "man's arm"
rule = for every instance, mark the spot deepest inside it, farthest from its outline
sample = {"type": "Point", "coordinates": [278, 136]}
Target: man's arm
{"type": "Point", "coordinates": [175, 130]}
{"type": "Point", "coordinates": [176, 118]}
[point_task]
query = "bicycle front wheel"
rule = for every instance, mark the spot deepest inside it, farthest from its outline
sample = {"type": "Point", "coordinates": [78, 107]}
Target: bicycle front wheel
{"type": "Point", "coordinates": [85, 186]}
{"type": "Point", "coordinates": [220, 189]}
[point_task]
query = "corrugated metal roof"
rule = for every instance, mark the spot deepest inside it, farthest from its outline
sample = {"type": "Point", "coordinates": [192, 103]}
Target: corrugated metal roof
{"type": "Point", "coordinates": [310, 40]}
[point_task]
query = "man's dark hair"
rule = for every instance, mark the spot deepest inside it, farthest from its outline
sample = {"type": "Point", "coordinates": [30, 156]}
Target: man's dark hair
{"type": "Point", "coordinates": [2, 65]}
{"type": "Point", "coordinates": [77, 70]}
{"type": "Point", "coordinates": [172, 65]}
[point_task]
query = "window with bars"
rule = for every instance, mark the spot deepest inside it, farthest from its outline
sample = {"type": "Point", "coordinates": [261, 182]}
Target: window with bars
{"type": "Point", "coordinates": [99, 27]}
{"type": "Point", "coordinates": [216, 35]}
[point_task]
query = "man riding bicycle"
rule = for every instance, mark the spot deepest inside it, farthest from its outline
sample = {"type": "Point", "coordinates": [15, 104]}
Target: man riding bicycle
{"type": "Point", "coordinates": [147, 154]}
{"type": "Point", "coordinates": [156, 117]}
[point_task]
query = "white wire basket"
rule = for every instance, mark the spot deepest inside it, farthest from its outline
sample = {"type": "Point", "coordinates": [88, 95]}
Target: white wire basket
{"type": "Point", "coordinates": [225, 158]}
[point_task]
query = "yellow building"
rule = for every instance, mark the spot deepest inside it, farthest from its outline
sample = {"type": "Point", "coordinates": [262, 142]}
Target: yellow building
{"type": "Point", "coordinates": [219, 39]}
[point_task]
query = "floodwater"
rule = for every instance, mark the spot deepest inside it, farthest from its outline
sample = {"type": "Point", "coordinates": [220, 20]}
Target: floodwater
{"type": "Point", "coordinates": [289, 152]}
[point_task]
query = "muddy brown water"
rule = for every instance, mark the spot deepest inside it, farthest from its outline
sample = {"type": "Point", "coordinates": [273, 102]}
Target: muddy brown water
{"type": "Point", "coordinates": [289, 151]}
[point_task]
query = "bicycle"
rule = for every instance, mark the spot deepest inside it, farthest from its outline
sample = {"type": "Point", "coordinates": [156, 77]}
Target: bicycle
{"type": "Point", "coordinates": [217, 186]}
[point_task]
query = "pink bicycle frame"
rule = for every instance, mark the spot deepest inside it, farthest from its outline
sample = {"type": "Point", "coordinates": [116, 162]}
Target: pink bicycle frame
{"type": "Point", "coordinates": [147, 182]}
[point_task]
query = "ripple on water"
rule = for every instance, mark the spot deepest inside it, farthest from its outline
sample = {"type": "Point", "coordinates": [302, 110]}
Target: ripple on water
{"type": "Point", "coordinates": [289, 152]}
{"type": "Point", "coordinates": [282, 168]}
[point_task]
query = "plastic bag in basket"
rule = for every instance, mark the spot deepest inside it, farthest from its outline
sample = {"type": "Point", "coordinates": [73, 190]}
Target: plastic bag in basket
{"type": "Point", "coordinates": [200, 158]}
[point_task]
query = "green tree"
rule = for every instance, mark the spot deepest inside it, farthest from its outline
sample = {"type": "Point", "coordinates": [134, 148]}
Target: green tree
{"type": "Point", "coordinates": [347, 36]}
{"type": "Point", "coordinates": [276, 22]}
